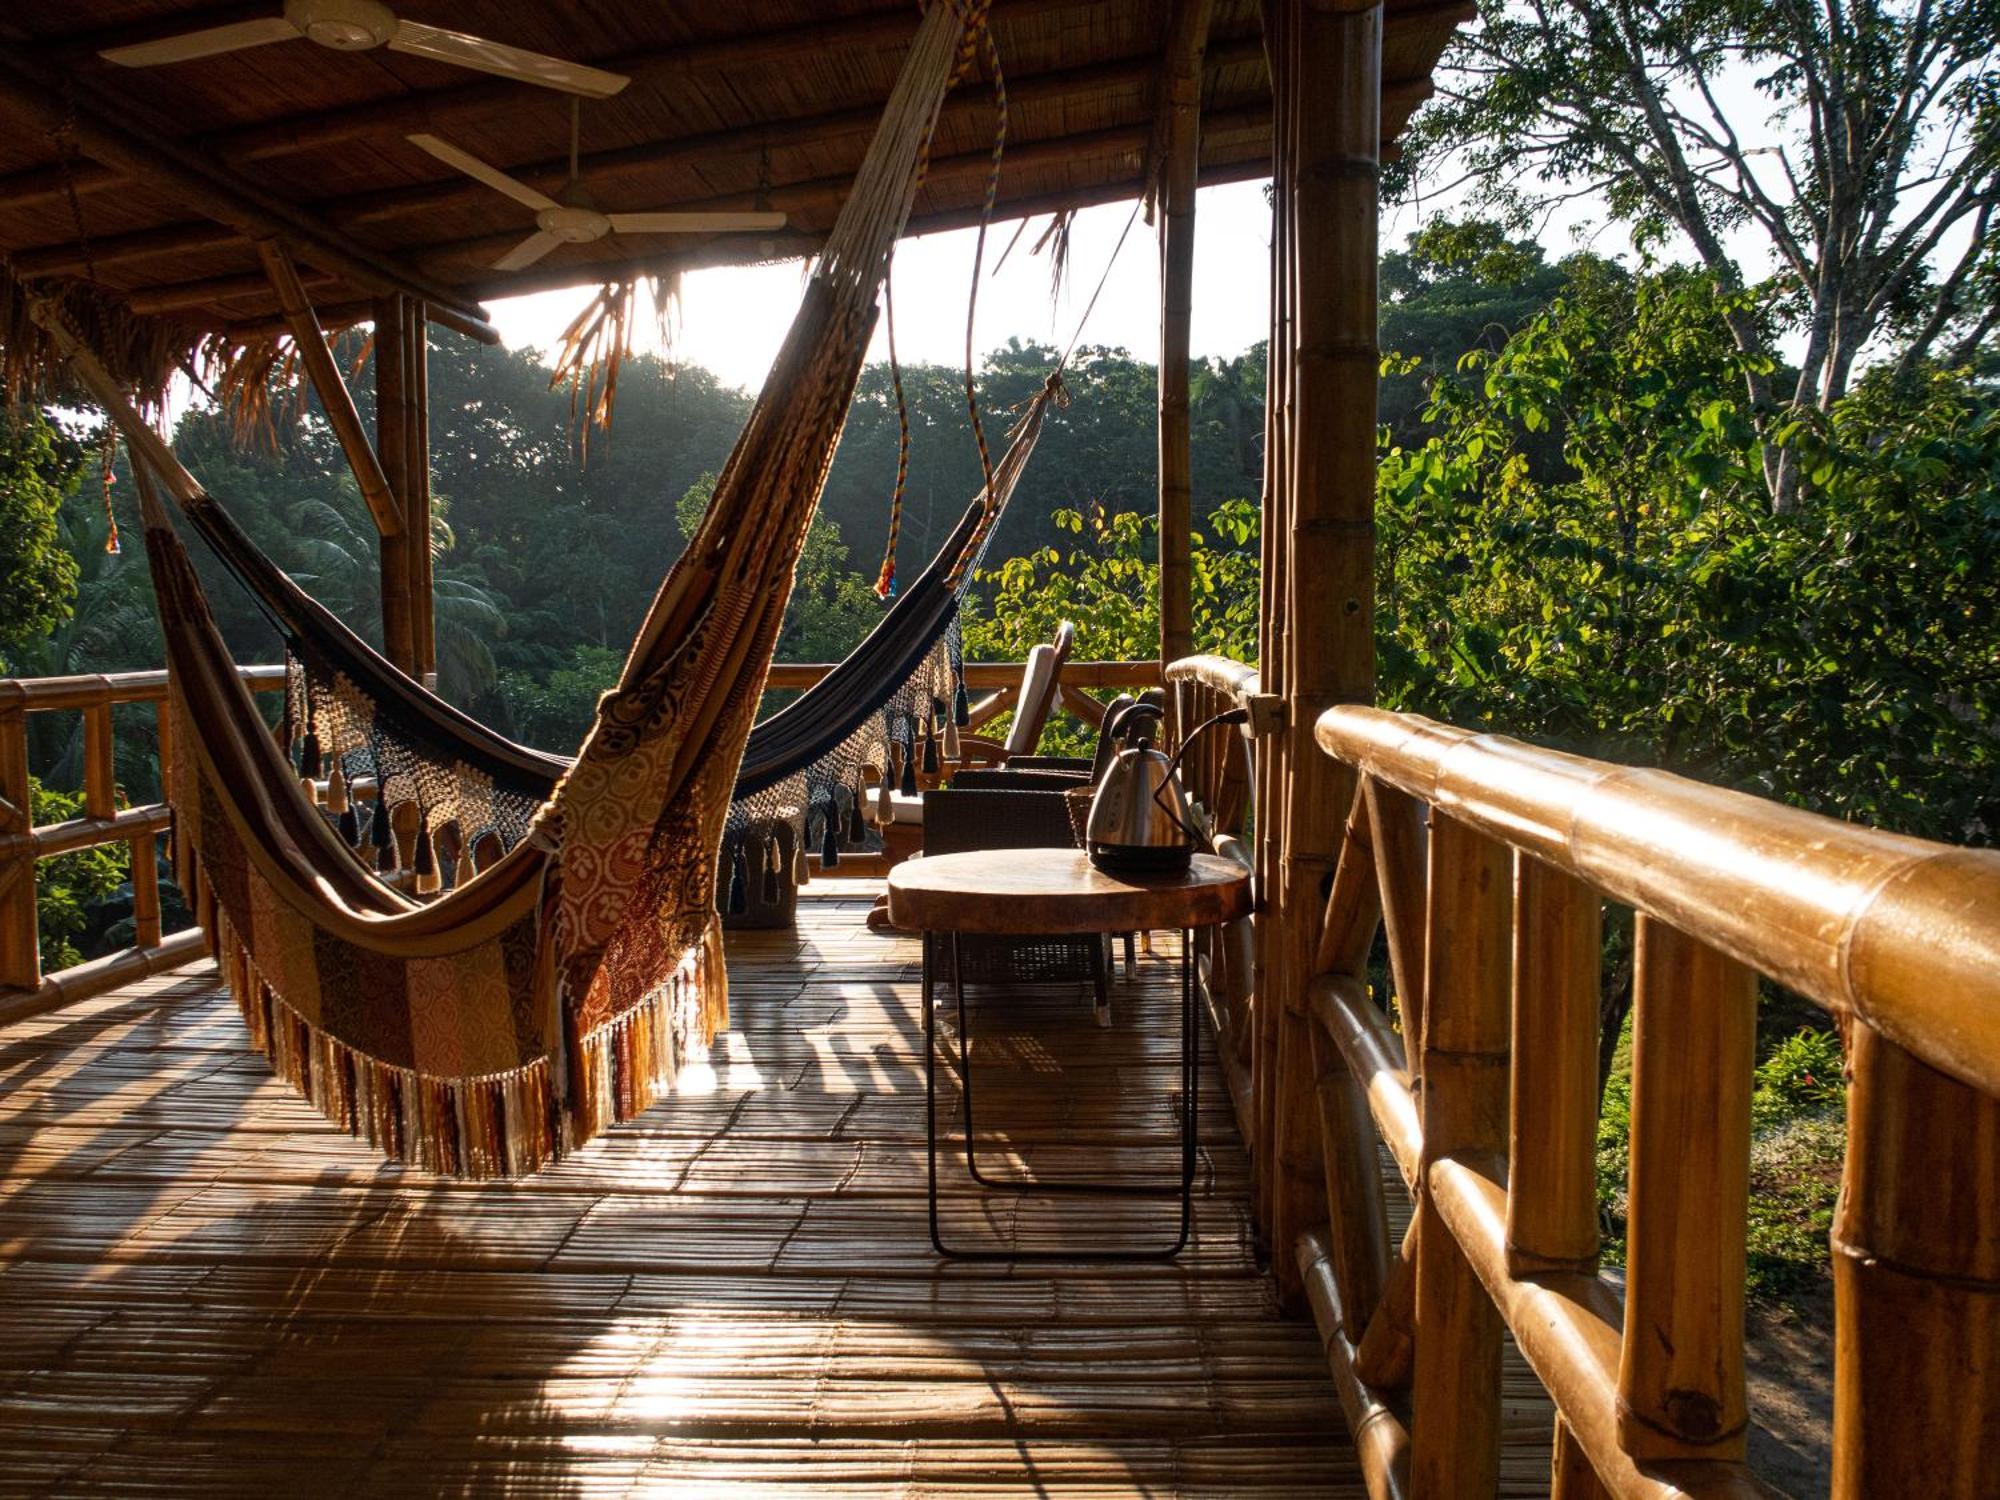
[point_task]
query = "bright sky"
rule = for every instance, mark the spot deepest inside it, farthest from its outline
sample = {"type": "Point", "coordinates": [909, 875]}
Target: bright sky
{"type": "Point", "coordinates": [732, 320]}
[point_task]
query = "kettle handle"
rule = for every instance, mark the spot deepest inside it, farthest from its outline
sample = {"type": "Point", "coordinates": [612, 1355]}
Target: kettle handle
{"type": "Point", "coordinates": [1117, 726]}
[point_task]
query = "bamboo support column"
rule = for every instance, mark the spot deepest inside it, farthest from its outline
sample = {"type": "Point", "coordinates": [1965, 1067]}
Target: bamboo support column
{"type": "Point", "coordinates": [1455, 1426]}
{"type": "Point", "coordinates": [1916, 1277]}
{"type": "Point", "coordinates": [1694, 1038]}
{"type": "Point", "coordinates": [20, 943]}
{"type": "Point", "coordinates": [417, 494]}
{"type": "Point", "coordinates": [1329, 621]}
{"type": "Point", "coordinates": [1181, 168]}
{"type": "Point", "coordinates": [1270, 756]}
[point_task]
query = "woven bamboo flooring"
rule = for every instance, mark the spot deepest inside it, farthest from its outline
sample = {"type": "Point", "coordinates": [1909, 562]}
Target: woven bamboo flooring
{"type": "Point", "coordinates": [206, 1289]}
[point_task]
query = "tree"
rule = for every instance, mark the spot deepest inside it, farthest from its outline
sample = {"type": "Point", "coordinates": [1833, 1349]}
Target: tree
{"type": "Point", "coordinates": [39, 467]}
{"type": "Point", "coordinates": [1874, 200]}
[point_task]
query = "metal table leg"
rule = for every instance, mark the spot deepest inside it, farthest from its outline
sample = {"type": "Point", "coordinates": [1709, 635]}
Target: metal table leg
{"type": "Point", "coordinates": [1190, 1081]}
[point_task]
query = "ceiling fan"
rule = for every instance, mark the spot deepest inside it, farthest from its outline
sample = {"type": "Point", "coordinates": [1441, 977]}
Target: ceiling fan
{"type": "Point", "coordinates": [362, 26]}
{"type": "Point", "coordinates": [571, 218]}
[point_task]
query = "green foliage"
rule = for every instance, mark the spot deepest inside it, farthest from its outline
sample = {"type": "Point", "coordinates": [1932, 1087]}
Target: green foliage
{"type": "Point", "coordinates": [68, 886]}
{"type": "Point", "coordinates": [39, 469]}
{"type": "Point", "coordinates": [1636, 598]}
{"type": "Point", "coordinates": [1107, 583]}
{"type": "Point", "coordinates": [555, 708]}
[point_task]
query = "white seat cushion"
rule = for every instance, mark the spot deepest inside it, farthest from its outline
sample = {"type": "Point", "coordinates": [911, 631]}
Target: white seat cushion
{"type": "Point", "coordinates": [906, 809]}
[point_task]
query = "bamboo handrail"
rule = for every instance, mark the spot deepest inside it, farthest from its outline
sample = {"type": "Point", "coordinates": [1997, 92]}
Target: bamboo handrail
{"type": "Point", "coordinates": [1493, 860]}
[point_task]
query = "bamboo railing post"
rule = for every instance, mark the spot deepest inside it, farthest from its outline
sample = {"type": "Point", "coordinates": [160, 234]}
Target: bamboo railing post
{"type": "Point", "coordinates": [20, 941]}
{"type": "Point", "coordinates": [1330, 558]}
{"type": "Point", "coordinates": [1181, 164]}
{"type": "Point", "coordinates": [145, 891]}
{"type": "Point", "coordinates": [1455, 1427]}
{"type": "Point", "coordinates": [1694, 1035]}
{"type": "Point", "coordinates": [1916, 1277]}
{"type": "Point", "coordinates": [1570, 1475]}
{"type": "Point", "coordinates": [1396, 828]}
{"type": "Point", "coordinates": [100, 783]}
{"type": "Point", "coordinates": [391, 414]}
{"type": "Point", "coordinates": [1358, 1235]}
{"type": "Point", "coordinates": [1552, 1159]}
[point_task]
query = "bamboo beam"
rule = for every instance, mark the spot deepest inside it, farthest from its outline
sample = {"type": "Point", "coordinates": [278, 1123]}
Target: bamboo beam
{"type": "Point", "coordinates": [99, 132]}
{"type": "Point", "coordinates": [1455, 1433]}
{"type": "Point", "coordinates": [1180, 126]}
{"type": "Point", "coordinates": [334, 398]}
{"type": "Point", "coordinates": [1916, 1276]}
{"type": "Point", "coordinates": [1694, 1038]}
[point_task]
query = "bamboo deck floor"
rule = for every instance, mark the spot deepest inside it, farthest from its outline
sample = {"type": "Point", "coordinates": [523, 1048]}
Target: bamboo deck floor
{"type": "Point", "coordinates": [205, 1288]}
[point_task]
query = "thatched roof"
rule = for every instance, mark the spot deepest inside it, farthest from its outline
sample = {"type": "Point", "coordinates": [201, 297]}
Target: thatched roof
{"type": "Point", "coordinates": [140, 190]}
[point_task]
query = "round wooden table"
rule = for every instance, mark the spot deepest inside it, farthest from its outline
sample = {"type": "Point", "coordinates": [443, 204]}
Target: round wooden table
{"type": "Point", "coordinates": [1042, 892]}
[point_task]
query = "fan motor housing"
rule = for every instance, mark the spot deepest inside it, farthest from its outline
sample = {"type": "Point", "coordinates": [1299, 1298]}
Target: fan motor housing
{"type": "Point", "coordinates": [343, 25]}
{"type": "Point", "coordinates": [573, 225]}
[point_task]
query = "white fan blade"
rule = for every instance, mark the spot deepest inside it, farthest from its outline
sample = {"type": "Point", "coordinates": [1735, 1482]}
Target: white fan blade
{"type": "Point", "coordinates": [530, 250]}
{"type": "Point", "coordinates": [473, 167]}
{"type": "Point", "coordinates": [209, 43]}
{"type": "Point", "coordinates": [693, 223]}
{"type": "Point", "coordinates": [509, 62]}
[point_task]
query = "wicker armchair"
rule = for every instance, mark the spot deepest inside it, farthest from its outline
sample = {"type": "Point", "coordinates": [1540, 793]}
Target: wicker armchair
{"type": "Point", "coordinates": [957, 819]}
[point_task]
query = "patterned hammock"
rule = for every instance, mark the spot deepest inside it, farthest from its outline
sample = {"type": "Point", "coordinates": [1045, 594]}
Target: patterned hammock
{"type": "Point", "coordinates": [355, 719]}
{"type": "Point", "coordinates": [557, 989]}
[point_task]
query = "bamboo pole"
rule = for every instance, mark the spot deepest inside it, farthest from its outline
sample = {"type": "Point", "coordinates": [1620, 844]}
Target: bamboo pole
{"type": "Point", "coordinates": [1329, 623]}
{"type": "Point", "coordinates": [145, 891]}
{"type": "Point", "coordinates": [20, 942]}
{"type": "Point", "coordinates": [391, 421]}
{"type": "Point", "coordinates": [334, 398]}
{"type": "Point", "coordinates": [1694, 1034]}
{"type": "Point", "coordinates": [1552, 1163]}
{"type": "Point", "coordinates": [1270, 616]}
{"type": "Point", "coordinates": [417, 495]}
{"type": "Point", "coordinates": [1455, 1432]}
{"type": "Point", "coordinates": [1570, 1475]}
{"type": "Point", "coordinates": [1402, 858]}
{"type": "Point", "coordinates": [1181, 122]}
{"type": "Point", "coordinates": [1916, 1276]}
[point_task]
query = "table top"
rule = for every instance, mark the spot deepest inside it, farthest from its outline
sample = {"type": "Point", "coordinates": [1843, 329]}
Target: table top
{"type": "Point", "coordinates": [1059, 891]}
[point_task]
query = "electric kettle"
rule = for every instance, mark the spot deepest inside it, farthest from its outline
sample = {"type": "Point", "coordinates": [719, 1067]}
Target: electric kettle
{"type": "Point", "coordinates": [1139, 816]}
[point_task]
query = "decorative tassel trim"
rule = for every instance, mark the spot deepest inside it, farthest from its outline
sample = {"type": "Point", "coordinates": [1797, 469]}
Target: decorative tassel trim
{"type": "Point", "coordinates": [497, 1125]}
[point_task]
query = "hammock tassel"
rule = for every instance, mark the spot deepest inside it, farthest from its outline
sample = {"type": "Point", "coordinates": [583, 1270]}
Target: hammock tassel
{"type": "Point", "coordinates": [773, 863]}
{"type": "Point", "coordinates": [961, 707]}
{"type": "Point", "coordinates": [350, 826]}
{"type": "Point", "coordinates": [857, 822]}
{"type": "Point", "coordinates": [464, 869]}
{"type": "Point", "coordinates": [829, 835]}
{"type": "Point", "coordinates": [309, 757]}
{"type": "Point", "coordinates": [907, 756]}
{"type": "Point", "coordinates": [953, 750]}
{"type": "Point", "coordinates": [885, 800]}
{"type": "Point", "coordinates": [930, 746]}
{"type": "Point", "coordinates": [739, 894]}
{"type": "Point", "coordinates": [337, 798]}
{"type": "Point", "coordinates": [425, 862]}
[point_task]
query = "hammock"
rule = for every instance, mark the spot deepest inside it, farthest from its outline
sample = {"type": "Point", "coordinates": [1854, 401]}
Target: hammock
{"type": "Point", "coordinates": [557, 989]}
{"type": "Point", "coordinates": [354, 717]}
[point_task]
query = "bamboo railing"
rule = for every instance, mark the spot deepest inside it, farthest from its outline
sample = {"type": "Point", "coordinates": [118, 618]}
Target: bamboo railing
{"type": "Point", "coordinates": [24, 989]}
{"type": "Point", "coordinates": [1485, 865]}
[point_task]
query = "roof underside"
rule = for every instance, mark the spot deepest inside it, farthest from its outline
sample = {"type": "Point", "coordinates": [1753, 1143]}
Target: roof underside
{"type": "Point", "coordinates": [755, 103]}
